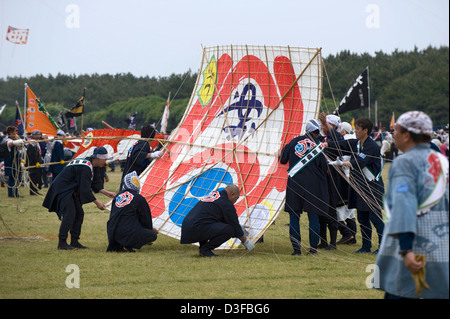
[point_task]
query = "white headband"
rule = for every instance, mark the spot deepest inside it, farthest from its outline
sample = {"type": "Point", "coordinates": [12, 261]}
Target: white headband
{"type": "Point", "coordinates": [416, 122]}
{"type": "Point", "coordinates": [102, 156]}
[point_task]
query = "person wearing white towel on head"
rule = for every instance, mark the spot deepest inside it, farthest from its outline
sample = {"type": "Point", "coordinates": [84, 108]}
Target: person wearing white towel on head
{"type": "Point", "coordinates": [307, 185]}
{"type": "Point", "coordinates": [130, 223]}
{"type": "Point", "coordinates": [413, 261]}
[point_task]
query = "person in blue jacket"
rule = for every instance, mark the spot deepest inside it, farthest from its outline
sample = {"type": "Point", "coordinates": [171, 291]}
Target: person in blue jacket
{"type": "Point", "coordinates": [57, 156]}
{"type": "Point", "coordinates": [13, 161]}
{"type": "Point", "coordinates": [413, 261]}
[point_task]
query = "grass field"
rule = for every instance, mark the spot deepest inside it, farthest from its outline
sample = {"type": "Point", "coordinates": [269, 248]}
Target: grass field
{"type": "Point", "coordinates": [32, 267]}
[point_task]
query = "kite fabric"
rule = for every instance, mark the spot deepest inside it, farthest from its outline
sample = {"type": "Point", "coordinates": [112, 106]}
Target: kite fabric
{"type": "Point", "coordinates": [248, 102]}
{"type": "Point", "coordinates": [116, 141]}
{"type": "Point", "coordinates": [17, 36]}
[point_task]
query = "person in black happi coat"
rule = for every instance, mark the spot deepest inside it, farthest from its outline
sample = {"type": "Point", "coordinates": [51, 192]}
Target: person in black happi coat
{"type": "Point", "coordinates": [34, 158]}
{"type": "Point", "coordinates": [213, 221]}
{"type": "Point", "coordinates": [69, 191]}
{"type": "Point", "coordinates": [130, 223]}
{"type": "Point", "coordinates": [366, 166]}
{"type": "Point", "coordinates": [141, 153]}
{"type": "Point", "coordinates": [307, 186]}
{"type": "Point", "coordinates": [331, 127]}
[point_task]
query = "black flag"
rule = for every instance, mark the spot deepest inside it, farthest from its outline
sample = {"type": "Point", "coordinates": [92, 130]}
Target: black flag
{"type": "Point", "coordinates": [77, 109]}
{"type": "Point", "coordinates": [357, 96]}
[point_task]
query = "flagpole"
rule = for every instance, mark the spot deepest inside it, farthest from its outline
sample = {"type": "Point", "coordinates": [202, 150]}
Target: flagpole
{"type": "Point", "coordinates": [376, 112]}
{"type": "Point", "coordinates": [65, 121]}
{"type": "Point", "coordinates": [25, 108]}
{"type": "Point", "coordinates": [368, 87]}
{"type": "Point", "coordinates": [84, 106]}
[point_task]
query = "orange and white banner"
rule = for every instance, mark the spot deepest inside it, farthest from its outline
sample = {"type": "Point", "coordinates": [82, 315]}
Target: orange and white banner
{"type": "Point", "coordinates": [37, 118]}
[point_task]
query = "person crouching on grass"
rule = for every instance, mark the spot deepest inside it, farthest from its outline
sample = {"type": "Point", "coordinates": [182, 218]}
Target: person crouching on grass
{"type": "Point", "coordinates": [130, 223]}
{"type": "Point", "coordinates": [69, 191]}
{"type": "Point", "coordinates": [213, 221]}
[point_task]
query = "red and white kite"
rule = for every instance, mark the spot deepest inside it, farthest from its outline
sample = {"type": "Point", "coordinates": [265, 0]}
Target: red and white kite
{"type": "Point", "coordinates": [249, 101]}
{"type": "Point", "coordinates": [17, 36]}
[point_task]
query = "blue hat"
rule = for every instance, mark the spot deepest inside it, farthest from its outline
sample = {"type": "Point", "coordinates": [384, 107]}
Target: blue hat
{"type": "Point", "coordinates": [35, 132]}
{"type": "Point", "coordinates": [100, 152]}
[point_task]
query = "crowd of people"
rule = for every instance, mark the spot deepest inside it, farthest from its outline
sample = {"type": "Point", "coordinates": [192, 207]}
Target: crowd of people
{"type": "Point", "coordinates": [33, 160]}
{"type": "Point", "coordinates": [334, 175]}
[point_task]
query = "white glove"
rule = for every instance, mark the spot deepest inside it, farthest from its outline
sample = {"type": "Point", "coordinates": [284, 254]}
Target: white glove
{"type": "Point", "coordinates": [18, 142]}
{"type": "Point", "coordinates": [156, 154]}
{"type": "Point", "coordinates": [249, 245]}
{"type": "Point", "coordinates": [245, 230]}
{"type": "Point", "coordinates": [337, 162]}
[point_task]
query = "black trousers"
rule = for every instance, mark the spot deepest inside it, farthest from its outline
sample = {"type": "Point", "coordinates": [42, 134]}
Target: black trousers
{"type": "Point", "coordinates": [150, 237]}
{"type": "Point", "coordinates": [72, 216]}
{"type": "Point", "coordinates": [35, 181]}
{"type": "Point", "coordinates": [347, 228]}
{"type": "Point", "coordinates": [226, 233]}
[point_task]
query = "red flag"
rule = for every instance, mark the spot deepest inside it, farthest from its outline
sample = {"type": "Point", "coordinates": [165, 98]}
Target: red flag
{"type": "Point", "coordinates": [17, 36]}
{"type": "Point", "coordinates": [117, 148]}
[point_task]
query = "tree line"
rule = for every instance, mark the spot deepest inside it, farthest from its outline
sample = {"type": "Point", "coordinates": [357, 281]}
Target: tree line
{"type": "Point", "coordinates": [400, 81]}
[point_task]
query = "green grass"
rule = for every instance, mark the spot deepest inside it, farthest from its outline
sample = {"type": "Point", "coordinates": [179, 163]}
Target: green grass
{"type": "Point", "coordinates": [32, 267]}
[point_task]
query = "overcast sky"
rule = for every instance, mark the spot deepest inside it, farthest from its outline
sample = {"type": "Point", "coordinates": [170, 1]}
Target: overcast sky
{"type": "Point", "coordinates": [161, 37]}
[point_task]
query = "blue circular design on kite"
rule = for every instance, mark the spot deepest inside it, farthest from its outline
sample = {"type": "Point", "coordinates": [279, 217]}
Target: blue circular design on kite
{"type": "Point", "coordinates": [198, 186]}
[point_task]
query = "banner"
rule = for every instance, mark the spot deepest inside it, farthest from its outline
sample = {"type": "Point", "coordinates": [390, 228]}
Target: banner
{"type": "Point", "coordinates": [17, 36]}
{"type": "Point", "coordinates": [37, 117]}
{"type": "Point", "coordinates": [357, 96]}
{"type": "Point", "coordinates": [116, 141]}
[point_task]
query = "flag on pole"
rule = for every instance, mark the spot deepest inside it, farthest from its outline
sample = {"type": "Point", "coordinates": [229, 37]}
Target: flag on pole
{"type": "Point", "coordinates": [78, 108]}
{"type": "Point", "coordinates": [165, 118]}
{"type": "Point", "coordinates": [60, 120]}
{"type": "Point", "coordinates": [357, 96]}
{"type": "Point", "coordinates": [17, 36]}
{"type": "Point", "coordinates": [37, 117]}
{"type": "Point", "coordinates": [132, 121]}
{"type": "Point", "coordinates": [72, 124]}
{"type": "Point", "coordinates": [391, 126]}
